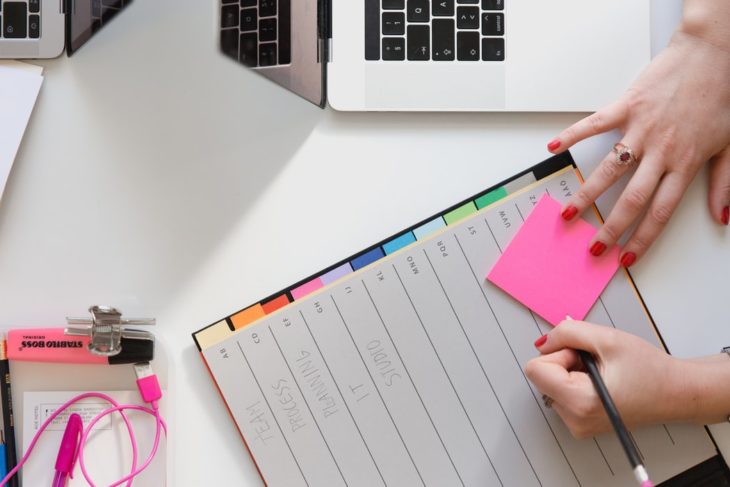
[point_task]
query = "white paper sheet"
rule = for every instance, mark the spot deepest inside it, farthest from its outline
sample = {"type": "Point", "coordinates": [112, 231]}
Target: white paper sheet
{"type": "Point", "coordinates": [19, 87]}
{"type": "Point", "coordinates": [108, 453]}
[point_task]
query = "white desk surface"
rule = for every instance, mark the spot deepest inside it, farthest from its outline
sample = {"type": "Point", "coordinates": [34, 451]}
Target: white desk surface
{"type": "Point", "coordinates": [161, 178]}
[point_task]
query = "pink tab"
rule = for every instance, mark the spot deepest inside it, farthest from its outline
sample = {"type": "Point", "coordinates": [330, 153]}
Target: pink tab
{"type": "Point", "coordinates": [306, 288]}
{"type": "Point", "coordinates": [547, 266]}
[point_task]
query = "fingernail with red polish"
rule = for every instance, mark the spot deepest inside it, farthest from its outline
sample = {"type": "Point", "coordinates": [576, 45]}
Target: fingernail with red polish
{"type": "Point", "coordinates": [553, 144]}
{"type": "Point", "coordinates": [726, 215]}
{"type": "Point", "coordinates": [569, 213]}
{"type": "Point", "coordinates": [628, 259]}
{"type": "Point", "coordinates": [540, 341]}
{"type": "Point", "coordinates": [597, 248]}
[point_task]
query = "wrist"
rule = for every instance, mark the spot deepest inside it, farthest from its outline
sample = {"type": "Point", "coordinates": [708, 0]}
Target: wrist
{"type": "Point", "coordinates": [681, 391]}
{"type": "Point", "coordinates": [706, 392]}
{"type": "Point", "coordinates": [707, 20]}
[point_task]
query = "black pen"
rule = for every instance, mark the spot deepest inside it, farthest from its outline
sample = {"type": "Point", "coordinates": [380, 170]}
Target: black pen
{"type": "Point", "coordinates": [642, 476]}
{"type": "Point", "coordinates": [6, 396]}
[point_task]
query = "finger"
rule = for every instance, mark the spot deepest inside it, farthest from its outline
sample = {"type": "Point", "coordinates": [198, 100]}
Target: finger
{"type": "Point", "coordinates": [577, 335]}
{"type": "Point", "coordinates": [549, 378]}
{"type": "Point", "coordinates": [566, 358]}
{"type": "Point", "coordinates": [629, 206]}
{"type": "Point", "coordinates": [719, 195]}
{"type": "Point", "coordinates": [665, 201]}
{"type": "Point", "coordinates": [608, 118]}
{"type": "Point", "coordinates": [606, 174]}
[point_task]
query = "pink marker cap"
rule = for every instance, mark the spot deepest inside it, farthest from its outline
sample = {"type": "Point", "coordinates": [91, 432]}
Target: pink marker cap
{"type": "Point", "coordinates": [647, 483]}
{"type": "Point", "coordinates": [68, 450]}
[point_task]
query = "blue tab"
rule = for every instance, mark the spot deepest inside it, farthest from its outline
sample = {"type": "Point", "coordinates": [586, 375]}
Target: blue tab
{"type": "Point", "coordinates": [398, 243]}
{"type": "Point", "coordinates": [365, 259]}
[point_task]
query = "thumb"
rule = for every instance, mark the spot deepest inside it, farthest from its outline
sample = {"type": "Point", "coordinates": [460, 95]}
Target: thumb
{"type": "Point", "coordinates": [578, 335]}
{"type": "Point", "coordinates": [719, 194]}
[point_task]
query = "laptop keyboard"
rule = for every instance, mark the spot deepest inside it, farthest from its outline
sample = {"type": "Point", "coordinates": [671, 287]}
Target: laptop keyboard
{"type": "Point", "coordinates": [22, 19]}
{"type": "Point", "coordinates": [434, 30]}
{"type": "Point", "coordinates": [257, 32]}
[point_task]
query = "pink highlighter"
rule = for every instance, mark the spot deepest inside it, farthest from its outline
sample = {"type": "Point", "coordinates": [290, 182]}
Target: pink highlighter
{"type": "Point", "coordinates": [54, 345]}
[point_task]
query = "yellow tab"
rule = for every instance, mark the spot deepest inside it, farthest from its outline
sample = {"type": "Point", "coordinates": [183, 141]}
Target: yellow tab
{"type": "Point", "coordinates": [213, 335]}
{"type": "Point", "coordinates": [248, 315]}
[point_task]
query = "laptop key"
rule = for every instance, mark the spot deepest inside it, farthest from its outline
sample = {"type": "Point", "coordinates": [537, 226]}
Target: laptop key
{"type": "Point", "coordinates": [492, 4]}
{"type": "Point", "coordinates": [468, 2]}
{"type": "Point", "coordinates": [15, 20]}
{"type": "Point", "coordinates": [372, 30]}
{"type": "Point", "coordinates": [417, 11]}
{"type": "Point", "coordinates": [284, 31]}
{"type": "Point", "coordinates": [229, 16]}
{"type": "Point", "coordinates": [419, 42]}
{"type": "Point", "coordinates": [248, 3]}
{"type": "Point", "coordinates": [442, 8]}
{"type": "Point", "coordinates": [267, 54]}
{"type": "Point", "coordinates": [34, 6]}
{"type": "Point", "coordinates": [394, 49]}
{"type": "Point", "coordinates": [443, 40]}
{"type": "Point", "coordinates": [492, 24]}
{"type": "Point", "coordinates": [467, 46]}
{"type": "Point", "coordinates": [394, 23]}
{"type": "Point", "coordinates": [394, 4]}
{"type": "Point", "coordinates": [249, 20]}
{"type": "Point", "coordinates": [249, 51]}
{"type": "Point", "coordinates": [467, 17]}
{"type": "Point", "coordinates": [229, 42]}
{"type": "Point", "coordinates": [34, 26]}
{"type": "Point", "coordinates": [267, 30]}
{"type": "Point", "coordinates": [267, 8]}
{"type": "Point", "coordinates": [493, 49]}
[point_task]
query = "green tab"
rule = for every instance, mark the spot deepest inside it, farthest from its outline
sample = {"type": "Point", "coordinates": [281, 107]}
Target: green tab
{"type": "Point", "coordinates": [461, 212]}
{"type": "Point", "coordinates": [490, 197]}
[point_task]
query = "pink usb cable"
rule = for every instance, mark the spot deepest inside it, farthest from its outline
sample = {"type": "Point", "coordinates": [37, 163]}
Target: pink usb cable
{"type": "Point", "coordinates": [149, 389]}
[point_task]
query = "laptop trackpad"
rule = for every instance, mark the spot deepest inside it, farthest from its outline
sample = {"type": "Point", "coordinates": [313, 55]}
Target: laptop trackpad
{"type": "Point", "coordinates": [457, 86]}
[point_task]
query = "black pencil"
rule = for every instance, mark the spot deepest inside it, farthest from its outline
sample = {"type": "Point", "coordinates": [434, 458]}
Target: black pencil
{"type": "Point", "coordinates": [6, 396]}
{"type": "Point", "coordinates": [642, 477]}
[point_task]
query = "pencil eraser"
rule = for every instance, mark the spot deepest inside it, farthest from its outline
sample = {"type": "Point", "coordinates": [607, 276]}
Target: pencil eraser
{"type": "Point", "coordinates": [647, 483]}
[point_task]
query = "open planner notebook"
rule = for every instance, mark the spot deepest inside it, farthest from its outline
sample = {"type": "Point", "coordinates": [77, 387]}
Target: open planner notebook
{"type": "Point", "coordinates": [403, 366]}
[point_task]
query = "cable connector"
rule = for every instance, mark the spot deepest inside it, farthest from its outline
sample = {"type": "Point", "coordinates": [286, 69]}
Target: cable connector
{"type": "Point", "coordinates": [147, 383]}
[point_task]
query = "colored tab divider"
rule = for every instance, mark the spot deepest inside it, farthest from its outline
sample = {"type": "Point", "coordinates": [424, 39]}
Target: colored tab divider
{"type": "Point", "coordinates": [460, 213]}
{"type": "Point", "coordinates": [491, 197]}
{"type": "Point", "coordinates": [336, 273]}
{"type": "Point", "coordinates": [248, 315]}
{"type": "Point", "coordinates": [428, 228]}
{"type": "Point", "coordinates": [307, 288]}
{"type": "Point", "coordinates": [367, 258]}
{"type": "Point", "coordinates": [398, 243]}
{"type": "Point", "coordinates": [274, 304]}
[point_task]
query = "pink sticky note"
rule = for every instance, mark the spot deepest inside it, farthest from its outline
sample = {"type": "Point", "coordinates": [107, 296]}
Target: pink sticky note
{"type": "Point", "coordinates": [547, 266]}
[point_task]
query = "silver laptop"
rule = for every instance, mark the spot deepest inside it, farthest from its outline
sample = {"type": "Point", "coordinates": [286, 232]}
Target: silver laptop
{"type": "Point", "coordinates": [43, 28]}
{"type": "Point", "coordinates": [443, 55]}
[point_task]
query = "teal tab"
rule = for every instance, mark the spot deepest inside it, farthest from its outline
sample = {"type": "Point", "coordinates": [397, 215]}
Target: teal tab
{"type": "Point", "coordinates": [460, 213]}
{"type": "Point", "coordinates": [398, 243]}
{"type": "Point", "coordinates": [490, 197]}
{"type": "Point", "coordinates": [428, 228]}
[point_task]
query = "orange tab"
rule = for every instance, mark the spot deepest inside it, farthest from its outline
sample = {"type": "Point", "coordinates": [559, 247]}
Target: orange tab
{"type": "Point", "coordinates": [248, 315]}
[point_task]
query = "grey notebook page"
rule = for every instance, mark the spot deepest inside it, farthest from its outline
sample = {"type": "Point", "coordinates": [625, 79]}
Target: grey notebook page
{"type": "Point", "coordinates": [410, 372]}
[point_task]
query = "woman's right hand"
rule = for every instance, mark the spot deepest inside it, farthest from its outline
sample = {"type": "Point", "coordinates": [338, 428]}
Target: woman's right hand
{"type": "Point", "coordinates": [647, 384]}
